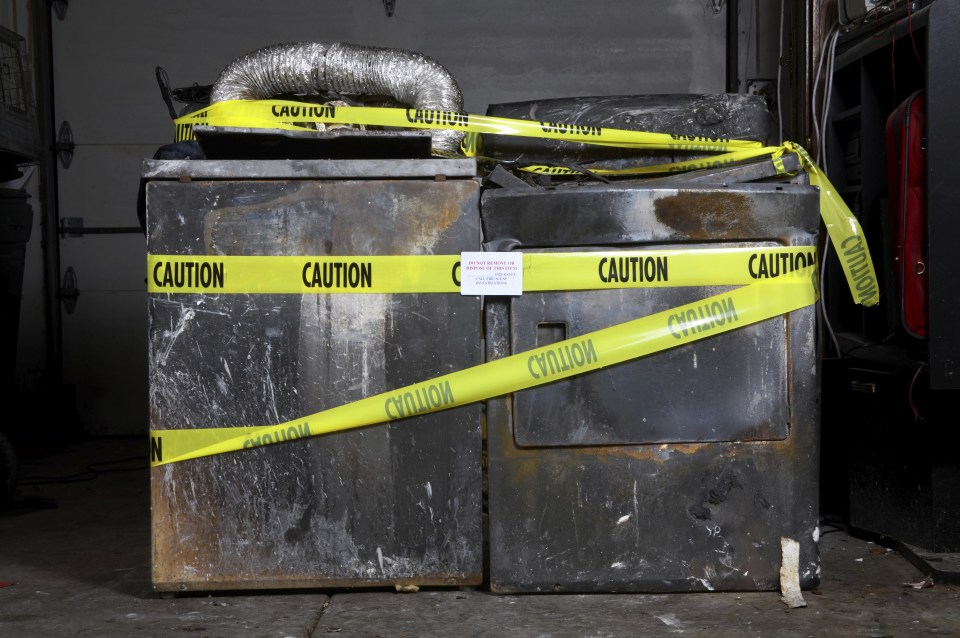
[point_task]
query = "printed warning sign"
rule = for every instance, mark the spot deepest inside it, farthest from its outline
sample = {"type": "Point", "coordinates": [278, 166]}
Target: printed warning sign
{"type": "Point", "coordinates": [491, 274]}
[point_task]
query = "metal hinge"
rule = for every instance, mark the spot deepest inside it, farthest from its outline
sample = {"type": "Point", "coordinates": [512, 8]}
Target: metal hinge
{"type": "Point", "coordinates": [64, 146]}
{"type": "Point", "coordinates": [69, 290]}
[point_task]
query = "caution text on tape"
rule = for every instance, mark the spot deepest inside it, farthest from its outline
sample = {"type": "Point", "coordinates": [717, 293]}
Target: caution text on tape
{"type": "Point", "coordinates": [230, 274]}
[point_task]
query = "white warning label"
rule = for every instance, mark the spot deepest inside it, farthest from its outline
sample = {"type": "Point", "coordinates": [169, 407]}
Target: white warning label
{"type": "Point", "coordinates": [491, 274]}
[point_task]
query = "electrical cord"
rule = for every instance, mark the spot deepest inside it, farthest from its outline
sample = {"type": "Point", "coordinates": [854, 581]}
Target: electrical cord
{"type": "Point", "coordinates": [827, 95]}
{"type": "Point", "coordinates": [93, 471]}
{"type": "Point", "coordinates": [780, 75]}
{"type": "Point", "coordinates": [912, 40]}
{"type": "Point", "coordinates": [746, 55]}
{"type": "Point", "coordinates": [913, 382]}
{"type": "Point", "coordinates": [814, 107]}
{"type": "Point", "coordinates": [823, 306]}
{"type": "Point", "coordinates": [822, 161]}
{"type": "Point", "coordinates": [820, 121]}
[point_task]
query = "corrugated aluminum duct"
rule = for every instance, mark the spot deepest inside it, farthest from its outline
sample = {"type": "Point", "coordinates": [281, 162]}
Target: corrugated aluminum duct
{"type": "Point", "coordinates": [311, 67]}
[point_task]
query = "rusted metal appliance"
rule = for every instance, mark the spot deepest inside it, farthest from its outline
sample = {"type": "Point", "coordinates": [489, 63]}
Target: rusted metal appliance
{"type": "Point", "coordinates": [386, 505]}
{"type": "Point", "coordinates": [678, 471]}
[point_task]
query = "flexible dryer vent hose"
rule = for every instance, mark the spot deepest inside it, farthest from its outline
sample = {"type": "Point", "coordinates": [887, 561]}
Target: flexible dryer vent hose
{"type": "Point", "coordinates": [307, 68]}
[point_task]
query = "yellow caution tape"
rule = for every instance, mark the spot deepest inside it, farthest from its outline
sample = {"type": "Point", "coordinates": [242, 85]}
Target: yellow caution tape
{"type": "Point", "coordinates": [678, 326]}
{"type": "Point", "coordinates": [845, 234]}
{"type": "Point", "coordinates": [287, 115]}
{"type": "Point", "coordinates": [301, 275]}
{"type": "Point", "coordinates": [765, 296]}
{"type": "Point", "coordinates": [713, 161]}
{"type": "Point", "coordinates": [441, 273]}
{"type": "Point", "coordinates": [842, 226]}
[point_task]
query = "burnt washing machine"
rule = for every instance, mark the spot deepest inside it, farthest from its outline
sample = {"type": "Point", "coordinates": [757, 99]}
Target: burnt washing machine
{"type": "Point", "coordinates": [384, 505]}
{"type": "Point", "coordinates": [678, 471]}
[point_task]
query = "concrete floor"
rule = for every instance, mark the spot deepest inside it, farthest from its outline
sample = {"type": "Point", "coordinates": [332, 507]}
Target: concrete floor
{"type": "Point", "coordinates": [78, 557]}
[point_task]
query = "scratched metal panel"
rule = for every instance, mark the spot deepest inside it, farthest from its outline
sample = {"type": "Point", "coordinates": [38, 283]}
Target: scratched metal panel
{"type": "Point", "coordinates": [398, 503]}
{"type": "Point", "coordinates": [652, 399]}
{"type": "Point", "coordinates": [584, 495]}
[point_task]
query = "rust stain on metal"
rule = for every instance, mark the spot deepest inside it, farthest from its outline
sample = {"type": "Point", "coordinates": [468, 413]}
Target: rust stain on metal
{"type": "Point", "coordinates": [707, 215]}
{"type": "Point", "coordinates": [421, 213]}
{"type": "Point", "coordinates": [179, 543]}
{"type": "Point", "coordinates": [527, 465]}
{"type": "Point", "coordinates": [421, 230]}
{"type": "Point", "coordinates": [227, 582]}
{"type": "Point", "coordinates": [661, 453]}
{"type": "Point", "coordinates": [228, 227]}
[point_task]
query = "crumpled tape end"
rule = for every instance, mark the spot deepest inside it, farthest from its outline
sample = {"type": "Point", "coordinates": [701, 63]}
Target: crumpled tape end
{"type": "Point", "coordinates": [790, 573]}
